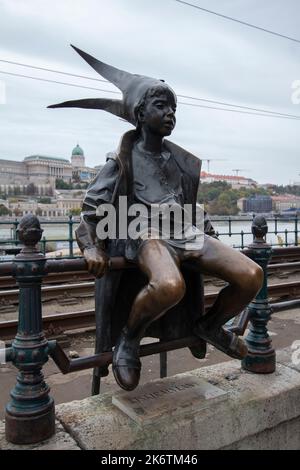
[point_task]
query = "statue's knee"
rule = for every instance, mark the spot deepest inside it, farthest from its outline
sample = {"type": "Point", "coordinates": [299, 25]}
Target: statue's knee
{"type": "Point", "coordinates": [254, 279]}
{"type": "Point", "coordinates": [168, 292]}
{"type": "Point", "coordinates": [249, 281]}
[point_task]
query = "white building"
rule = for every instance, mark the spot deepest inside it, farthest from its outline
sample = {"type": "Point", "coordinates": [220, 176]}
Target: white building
{"type": "Point", "coordinates": [236, 182]}
{"type": "Point", "coordinates": [37, 174]}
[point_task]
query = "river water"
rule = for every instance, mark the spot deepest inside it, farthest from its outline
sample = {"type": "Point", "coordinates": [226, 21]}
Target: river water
{"type": "Point", "coordinates": [238, 226]}
{"type": "Point", "coordinates": [61, 231]}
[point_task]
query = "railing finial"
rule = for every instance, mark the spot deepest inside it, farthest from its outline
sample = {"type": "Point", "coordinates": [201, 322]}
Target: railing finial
{"type": "Point", "coordinates": [259, 229]}
{"type": "Point", "coordinates": [30, 232]}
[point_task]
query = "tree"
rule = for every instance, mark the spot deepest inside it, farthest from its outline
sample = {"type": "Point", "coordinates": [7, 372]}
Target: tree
{"type": "Point", "coordinates": [31, 189]}
{"type": "Point", "coordinates": [4, 210]}
{"type": "Point", "coordinates": [17, 190]}
{"type": "Point", "coordinates": [76, 178]}
{"type": "Point", "coordinates": [74, 211]}
{"type": "Point", "coordinates": [17, 212]}
{"type": "Point", "coordinates": [61, 184]}
{"type": "Point", "coordinates": [44, 200]}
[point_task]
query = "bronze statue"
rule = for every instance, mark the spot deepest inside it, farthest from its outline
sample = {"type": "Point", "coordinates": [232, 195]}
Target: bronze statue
{"type": "Point", "coordinates": [149, 169]}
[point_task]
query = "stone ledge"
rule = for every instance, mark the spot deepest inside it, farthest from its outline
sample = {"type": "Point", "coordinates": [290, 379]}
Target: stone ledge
{"type": "Point", "coordinates": [284, 436]}
{"type": "Point", "coordinates": [256, 403]}
{"type": "Point", "coordinates": [260, 412]}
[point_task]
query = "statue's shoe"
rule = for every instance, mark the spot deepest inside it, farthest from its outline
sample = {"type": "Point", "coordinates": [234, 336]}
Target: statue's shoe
{"type": "Point", "coordinates": [224, 340]}
{"type": "Point", "coordinates": [126, 365]}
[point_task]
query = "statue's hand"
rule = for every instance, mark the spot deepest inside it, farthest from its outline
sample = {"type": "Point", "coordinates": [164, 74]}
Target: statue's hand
{"type": "Point", "coordinates": [97, 260]}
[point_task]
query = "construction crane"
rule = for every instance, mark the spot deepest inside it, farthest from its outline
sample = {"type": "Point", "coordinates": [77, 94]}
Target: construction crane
{"type": "Point", "coordinates": [208, 160]}
{"type": "Point", "coordinates": [237, 170]}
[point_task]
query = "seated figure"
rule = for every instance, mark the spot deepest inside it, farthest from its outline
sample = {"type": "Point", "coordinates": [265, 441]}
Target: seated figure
{"type": "Point", "coordinates": [150, 170]}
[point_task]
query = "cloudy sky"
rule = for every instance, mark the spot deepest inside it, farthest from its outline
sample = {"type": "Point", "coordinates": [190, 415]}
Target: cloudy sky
{"type": "Point", "coordinates": [198, 54]}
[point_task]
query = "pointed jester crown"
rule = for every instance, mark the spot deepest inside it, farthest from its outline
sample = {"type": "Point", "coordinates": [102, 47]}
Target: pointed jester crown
{"type": "Point", "coordinates": [133, 87]}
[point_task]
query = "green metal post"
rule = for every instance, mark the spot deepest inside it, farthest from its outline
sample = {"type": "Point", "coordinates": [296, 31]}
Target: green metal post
{"type": "Point", "coordinates": [30, 413]}
{"type": "Point", "coordinates": [15, 233]}
{"type": "Point", "coordinates": [71, 236]}
{"type": "Point", "coordinates": [43, 245]}
{"type": "Point", "coordinates": [261, 357]}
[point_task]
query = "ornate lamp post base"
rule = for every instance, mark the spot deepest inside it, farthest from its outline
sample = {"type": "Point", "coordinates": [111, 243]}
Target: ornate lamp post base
{"type": "Point", "coordinates": [261, 358]}
{"type": "Point", "coordinates": [30, 415]}
{"type": "Point", "coordinates": [264, 364]}
{"type": "Point", "coordinates": [30, 428]}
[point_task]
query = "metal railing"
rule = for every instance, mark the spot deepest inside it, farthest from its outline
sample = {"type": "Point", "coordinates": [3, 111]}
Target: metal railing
{"type": "Point", "coordinates": [13, 240]}
{"type": "Point", "coordinates": [30, 413]}
{"type": "Point", "coordinates": [230, 232]}
{"type": "Point", "coordinates": [276, 220]}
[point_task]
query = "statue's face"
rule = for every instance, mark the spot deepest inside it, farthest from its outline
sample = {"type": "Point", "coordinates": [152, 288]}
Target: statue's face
{"type": "Point", "coordinates": [158, 114]}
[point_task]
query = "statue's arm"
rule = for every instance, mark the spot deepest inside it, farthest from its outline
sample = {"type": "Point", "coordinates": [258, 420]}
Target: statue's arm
{"type": "Point", "coordinates": [99, 191]}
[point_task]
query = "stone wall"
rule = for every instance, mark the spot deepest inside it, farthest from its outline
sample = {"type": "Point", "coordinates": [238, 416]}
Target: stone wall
{"type": "Point", "coordinates": [258, 412]}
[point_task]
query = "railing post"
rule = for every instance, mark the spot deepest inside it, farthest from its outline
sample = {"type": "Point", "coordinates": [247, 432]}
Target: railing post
{"type": "Point", "coordinates": [30, 413]}
{"type": "Point", "coordinates": [43, 245]}
{"type": "Point", "coordinates": [261, 357]}
{"type": "Point", "coordinates": [229, 226]}
{"type": "Point", "coordinates": [242, 239]}
{"type": "Point", "coordinates": [15, 232]}
{"type": "Point", "coordinates": [71, 236]}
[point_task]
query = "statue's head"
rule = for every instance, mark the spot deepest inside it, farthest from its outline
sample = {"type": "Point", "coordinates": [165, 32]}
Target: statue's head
{"type": "Point", "coordinates": [156, 110]}
{"type": "Point", "coordinates": [146, 101]}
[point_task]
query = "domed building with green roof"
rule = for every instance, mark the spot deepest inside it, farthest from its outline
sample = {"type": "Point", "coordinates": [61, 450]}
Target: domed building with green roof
{"type": "Point", "coordinates": [78, 158]}
{"type": "Point", "coordinates": [80, 172]}
{"type": "Point", "coordinates": [43, 171]}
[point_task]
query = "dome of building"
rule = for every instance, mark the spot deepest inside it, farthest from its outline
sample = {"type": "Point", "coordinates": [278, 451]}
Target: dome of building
{"type": "Point", "coordinates": [77, 151]}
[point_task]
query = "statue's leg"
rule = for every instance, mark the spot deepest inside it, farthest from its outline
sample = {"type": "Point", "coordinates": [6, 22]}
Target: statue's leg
{"type": "Point", "coordinates": [165, 289]}
{"type": "Point", "coordinates": [244, 279]}
{"type": "Point", "coordinates": [165, 286]}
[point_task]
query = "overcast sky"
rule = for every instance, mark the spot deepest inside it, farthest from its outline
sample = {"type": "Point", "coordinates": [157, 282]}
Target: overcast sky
{"type": "Point", "coordinates": [196, 53]}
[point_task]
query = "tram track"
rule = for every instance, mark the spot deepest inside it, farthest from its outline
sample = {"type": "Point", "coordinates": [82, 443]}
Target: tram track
{"type": "Point", "coordinates": [61, 322]}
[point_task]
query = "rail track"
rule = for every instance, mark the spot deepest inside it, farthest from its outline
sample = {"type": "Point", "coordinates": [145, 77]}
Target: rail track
{"type": "Point", "coordinates": [286, 255]}
{"type": "Point", "coordinates": [85, 289]}
{"type": "Point", "coordinates": [61, 322]}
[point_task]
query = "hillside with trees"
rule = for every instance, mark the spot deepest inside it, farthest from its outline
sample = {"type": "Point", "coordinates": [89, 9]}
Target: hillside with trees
{"type": "Point", "coordinates": [220, 199]}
